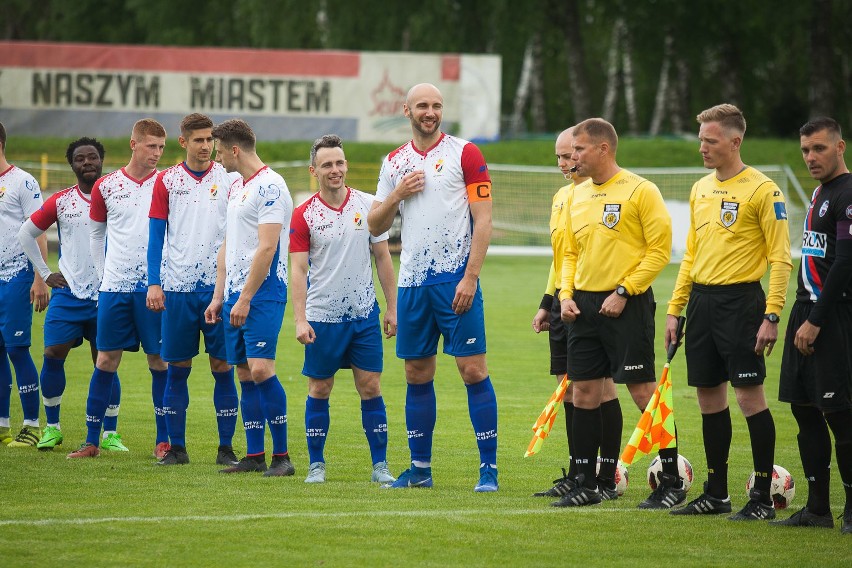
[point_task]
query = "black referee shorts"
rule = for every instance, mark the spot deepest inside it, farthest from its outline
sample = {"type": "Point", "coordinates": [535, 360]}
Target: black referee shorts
{"type": "Point", "coordinates": [558, 338]}
{"type": "Point", "coordinates": [721, 332]}
{"type": "Point", "coordinates": [621, 348]}
{"type": "Point", "coordinates": [822, 379]}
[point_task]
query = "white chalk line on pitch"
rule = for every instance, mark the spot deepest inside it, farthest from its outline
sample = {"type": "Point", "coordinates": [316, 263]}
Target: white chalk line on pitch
{"type": "Point", "coordinates": [307, 515]}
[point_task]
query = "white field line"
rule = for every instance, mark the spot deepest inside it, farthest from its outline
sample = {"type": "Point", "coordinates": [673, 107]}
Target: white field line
{"type": "Point", "coordinates": [308, 515]}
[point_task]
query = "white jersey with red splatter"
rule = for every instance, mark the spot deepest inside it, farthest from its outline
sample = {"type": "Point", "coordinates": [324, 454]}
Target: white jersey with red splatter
{"type": "Point", "coordinates": [20, 197]}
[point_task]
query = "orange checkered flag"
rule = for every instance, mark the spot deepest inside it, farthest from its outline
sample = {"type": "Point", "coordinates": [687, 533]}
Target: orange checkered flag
{"type": "Point", "coordinates": [656, 427]}
{"type": "Point", "coordinates": [545, 420]}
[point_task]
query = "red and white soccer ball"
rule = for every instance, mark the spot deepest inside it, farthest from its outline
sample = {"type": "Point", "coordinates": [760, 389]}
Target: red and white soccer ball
{"type": "Point", "coordinates": [620, 476]}
{"type": "Point", "coordinates": [683, 467]}
{"type": "Point", "coordinates": [782, 489]}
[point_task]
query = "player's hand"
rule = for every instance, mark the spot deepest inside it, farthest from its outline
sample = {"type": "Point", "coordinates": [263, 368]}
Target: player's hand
{"type": "Point", "coordinates": [613, 305]}
{"type": "Point", "coordinates": [213, 313]}
{"type": "Point", "coordinates": [671, 330]}
{"type": "Point", "coordinates": [390, 323]}
{"type": "Point", "coordinates": [39, 295]}
{"type": "Point", "coordinates": [463, 299]}
{"type": "Point", "coordinates": [411, 183]}
{"type": "Point", "coordinates": [240, 312]}
{"type": "Point", "coordinates": [541, 321]}
{"type": "Point", "coordinates": [767, 335]}
{"type": "Point", "coordinates": [56, 280]}
{"type": "Point", "coordinates": [805, 337]}
{"type": "Point", "coordinates": [156, 300]}
{"type": "Point", "coordinates": [304, 332]}
{"type": "Point", "coordinates": [570, 311]}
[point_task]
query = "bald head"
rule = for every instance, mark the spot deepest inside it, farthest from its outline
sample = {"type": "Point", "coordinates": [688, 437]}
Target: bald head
{"type": "Point", "coordinates": [424, 108]}
{"type": "Point", "coordinates": [422, 90]}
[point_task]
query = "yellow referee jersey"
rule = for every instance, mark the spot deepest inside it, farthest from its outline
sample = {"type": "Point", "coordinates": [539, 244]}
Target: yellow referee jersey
{"type": "Point", "coordinates": [617, 233]}
{"type": "Point", "coordinates": [736, 227]}
{"type": "Point", "coordinates": [558, 214]}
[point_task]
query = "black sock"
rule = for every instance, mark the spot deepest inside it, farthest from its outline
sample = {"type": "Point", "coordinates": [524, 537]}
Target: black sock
{"type": "Point", "coordinates": [569, 429]}
{"type": "Point", "coordinates": [717, 432]}
{"type": "Point", "coordinates": [587, 440]}
{"type": "Point", "coordinates": [761, 430]}
{"type": "Point", "coordinates": [612, 423]}
{"type": "Point", "coordinates": [815, 451]}
{"type": "Point", "coordinates": [668, 459]}
{"type": "Point", "coordinates": [841, 424]}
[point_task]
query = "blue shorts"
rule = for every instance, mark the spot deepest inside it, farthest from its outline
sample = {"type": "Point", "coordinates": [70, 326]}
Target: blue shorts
{"type": "Point", "coordinates": [16, 313]}
{"type": "Point", "coordinates": [182, 320]}
{"type": "Point", "coordinates": [70, 319]}
{"type": "Point", "coordinates": [124, 322]}
{"type": "Point", "coordinates": [344, 345]}
{"type": "Point", "coordinates": [258, 337]}
{"type": "Point", "coordinates": [426, 312]}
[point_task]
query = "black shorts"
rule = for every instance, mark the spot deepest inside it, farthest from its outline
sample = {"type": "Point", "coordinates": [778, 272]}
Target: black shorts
{"type": "Point", "coordinates": [824, 378]}
{"type": "Point", "coordinates": [721, 331]}
{"type": "Point", "coordinates": [558, 339]}
{"type": "Point", "coordinates": [621, 348]}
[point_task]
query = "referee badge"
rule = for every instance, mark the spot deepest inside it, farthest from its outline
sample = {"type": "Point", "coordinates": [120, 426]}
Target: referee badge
{"type": "Point", "coordinates": [729, 212]}
{"type": "Point", "coordinates": [611, 214]}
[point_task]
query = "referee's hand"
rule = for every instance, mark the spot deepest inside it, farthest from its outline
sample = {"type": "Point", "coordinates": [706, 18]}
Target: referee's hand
{"type": "Point", "coordinates": [570, 311]}
{"type": "Point", "coordinates": [767, 335]}
{"type": "Point", "coordinates": [541, 321]}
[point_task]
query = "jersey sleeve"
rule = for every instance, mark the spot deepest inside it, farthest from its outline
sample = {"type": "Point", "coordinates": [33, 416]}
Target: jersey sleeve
{"type": "Point", "coordinates": [159, 199]}
{"type": "Point", "coordinates": [385, 184]}
{"type": "Point", "coordinates": [683, 283]}
{"type": "Point", "coordinates": [272, 207]}
{"type": "Point", "coordinates": [46, 215]}
{"type": "Point", "coordinates": [475, 171]}
{"type": "Point", "coordinates": [300, 234]}
{"type": "Point", "coordinates": [31, 199]}
{"type": "Point", "coordinates": [773, 221]}
{"type": "Point", "coordinates": [97, 209]}
{"type": "Point", "coordinates": [657, 229]}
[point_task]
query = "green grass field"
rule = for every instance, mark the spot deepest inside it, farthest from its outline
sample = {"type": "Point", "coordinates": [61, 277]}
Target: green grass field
{"type": "Point", "coordinates": [121, 510]}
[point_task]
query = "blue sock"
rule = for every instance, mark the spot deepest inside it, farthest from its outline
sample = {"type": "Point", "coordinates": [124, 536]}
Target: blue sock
{"type": "Point", "coordinates": [374, 419]}
{"type": "Point", "coordinates": [96, 404]}
{"type": "Point", "coordinates": [317, 421]}
{"type": "Point", "coordinates": [226, 402]}
{"type": "Point", "coordinates": [253, 421]}
{"type": "Point", "coordinates": [52, 386]}
{"type": "Point", "coordinates": [273, 399]}
{"type": "Point", "coordinates": [421, 409]}
{"type": "Point", "coordinates": [158, 391]}
{"type": "Point", "coordinates": [25, 372]}
{"type": "Point", "coordinates": [111, 416]}
{"type": "Point", "coordinates": [482, 405]}
{"type": "Point", "coordinates": [5, 384]}
{"type": "Point", "coordinates": [175, 403]}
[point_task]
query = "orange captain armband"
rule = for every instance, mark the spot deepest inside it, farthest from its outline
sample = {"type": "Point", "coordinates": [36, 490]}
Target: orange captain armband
{"type": "Point", "coordinates": [479, 191]}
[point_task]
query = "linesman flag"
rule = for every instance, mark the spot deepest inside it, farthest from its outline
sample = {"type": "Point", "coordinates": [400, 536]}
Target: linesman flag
{"type": "Point", "coordinates": [656, 428]}
{"type": "Point", "coordinates": [542, 426]}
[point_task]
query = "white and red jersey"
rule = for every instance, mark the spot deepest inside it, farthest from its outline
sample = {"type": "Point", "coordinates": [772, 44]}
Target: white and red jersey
{"type": "Point", "coordinates": [69, 209]}
{"type": "Point", "coordinates": [194, 209]}
{"type": "Point", "coordinates": [338, 245]}
{"type": "Point", "coordinates": [123, 204]}
{"type": "Point", "coordinates": [260, 200]}
{"type": "Point", "coordinates": [436, 223]}
{"type": "Point", "coordinates": [20, 197]}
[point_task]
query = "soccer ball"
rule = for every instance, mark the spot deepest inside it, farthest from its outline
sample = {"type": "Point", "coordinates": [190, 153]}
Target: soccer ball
{"type": "Point", "coordinates": [620, 476]}
{"type": "Point", "coordinates": [683, 467]}
{"type": "Point", "coordinates": [782, 489]}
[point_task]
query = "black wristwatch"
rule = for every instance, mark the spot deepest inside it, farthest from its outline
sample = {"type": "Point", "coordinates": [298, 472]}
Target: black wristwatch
{"type": "Point", "coordinates": [771, 318]}
{"type": "Point", "coordinates": [622, 291]}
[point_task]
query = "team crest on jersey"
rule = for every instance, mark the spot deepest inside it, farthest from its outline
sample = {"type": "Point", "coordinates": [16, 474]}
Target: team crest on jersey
{"type": "Point", "coordinates": [611, 214]}
{"type": "Point", "coordinates": [271, 191]}
{"type": "Point", "coordinates": [729, 212]}
{"type": "Point", "coordinates": [849, 212]}
{"type": "Point", "coordinates": [214, 191]}
{"type": "Point", "coordinates": [439, 165]}
{"type": "Point", "coordinates": [2, 192]}
{"type": "Point", "coordinates": [358, 220]}
{"type": "Point", "coordinates": [823, 209]}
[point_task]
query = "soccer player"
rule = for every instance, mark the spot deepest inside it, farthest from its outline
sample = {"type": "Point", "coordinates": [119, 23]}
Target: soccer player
{"type": "Point", "coordinates": [549, 318]}
{"type": "Point", "coordinates": [188, 210]}
{"type": "Point", "coordinates": [337, 315]}
{"type": "Point", "coordinates": [251, 285]}
{"type": "Point", "coordinates": [738, 226]}
{"type": "Point", "coordinates": [20, 197]}
{"type": "Point", "coordinates": [815, 367]}
{"type": "Point", "coordinates": [119, 217]}
{"type": "Point", "coordinates": [73, 311]}
{"type": "Point", "coordinates": [617, 240]}
{"type": "Point", "coordinates": [441, 187]}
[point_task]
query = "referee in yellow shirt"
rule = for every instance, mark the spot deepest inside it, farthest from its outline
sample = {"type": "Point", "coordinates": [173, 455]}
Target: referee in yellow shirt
{"type": "Point", "coordinates": [617, 241]}
{"type": "Point", "coordinates": [549, 318]}
{"type": "Point", "coordinates": [738, 227]}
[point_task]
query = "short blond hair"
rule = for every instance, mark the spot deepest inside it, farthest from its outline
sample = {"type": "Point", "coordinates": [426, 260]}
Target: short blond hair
{"type": "Point", "coordinates": [147, 127]}
{"type": "Point", "coordinates": [729, 116]}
